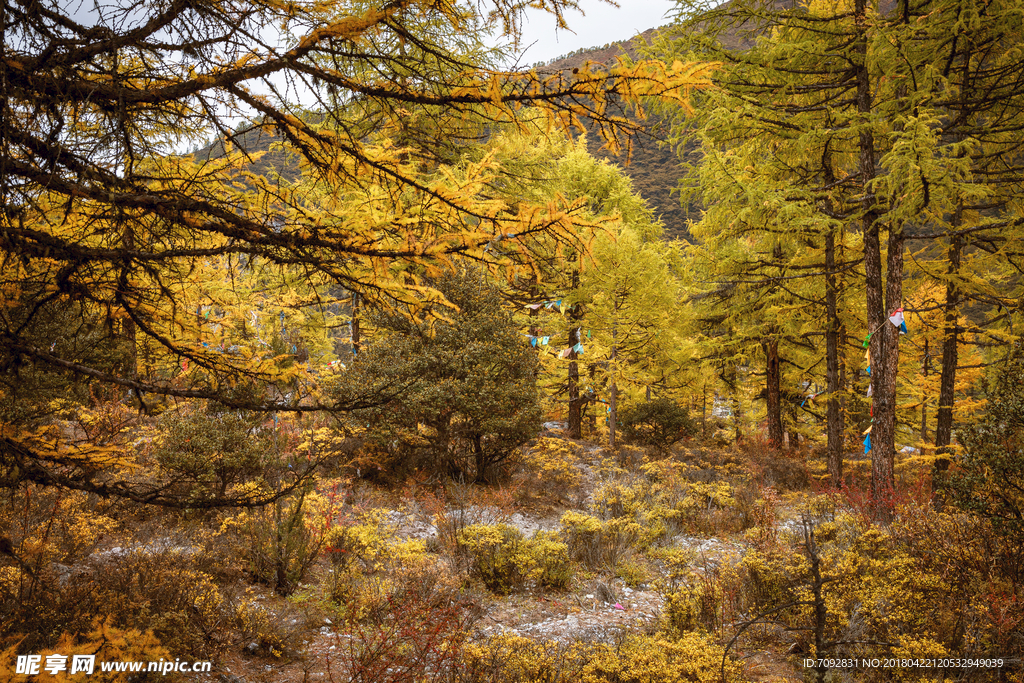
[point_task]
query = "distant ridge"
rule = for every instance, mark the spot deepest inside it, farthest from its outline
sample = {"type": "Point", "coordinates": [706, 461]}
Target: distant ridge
{"type": "Point", "coordinates": [604, 55]}
{"type": "Point", "coordinates": [654, 168]}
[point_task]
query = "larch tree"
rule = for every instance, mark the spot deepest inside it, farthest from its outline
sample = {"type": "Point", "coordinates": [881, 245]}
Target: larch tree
{"type": "Point", "coordinates": [632, 307]}
{"type": "Point", "coordinates": [862, 116]}
{"type": "Point", "coordinates": [600, 199]}
{"type": "Point", "coordinates": [774, 176]}
{"type": "Point", "coordinates": [104, 226]}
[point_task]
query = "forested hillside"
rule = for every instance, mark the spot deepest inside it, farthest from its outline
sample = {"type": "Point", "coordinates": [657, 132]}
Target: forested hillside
{"type": "Point", "coordinates": [396, 378]}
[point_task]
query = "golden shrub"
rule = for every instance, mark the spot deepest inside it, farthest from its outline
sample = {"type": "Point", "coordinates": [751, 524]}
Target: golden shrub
{"type": "Point", "coordinates": [506, 561]}
{"type": "Point", "coordinates": [552, 466]}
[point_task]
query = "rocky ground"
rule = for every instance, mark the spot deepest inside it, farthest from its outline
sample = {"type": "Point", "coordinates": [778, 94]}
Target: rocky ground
{"type": "Point", "coordinates": [596, 609]}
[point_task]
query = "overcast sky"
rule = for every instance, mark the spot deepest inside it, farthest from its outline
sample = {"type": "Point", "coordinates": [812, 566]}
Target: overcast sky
{"type": "Point", "coordinates": [602, 24]}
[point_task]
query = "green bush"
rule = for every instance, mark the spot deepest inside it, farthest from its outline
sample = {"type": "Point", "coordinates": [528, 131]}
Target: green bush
{"type": "Point", "coordinates": [459, 397]}
{"type": "Point", "coordinates": [211, 451]}
{"type": "Point", "coordinates": [659, 423]}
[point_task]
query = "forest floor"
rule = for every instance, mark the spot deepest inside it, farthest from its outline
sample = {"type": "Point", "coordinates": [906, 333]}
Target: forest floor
{"type": "Point", "coordinates": [599, 605]}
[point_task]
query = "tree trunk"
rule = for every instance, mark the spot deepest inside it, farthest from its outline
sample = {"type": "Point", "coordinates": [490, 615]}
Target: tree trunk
{"type": "Point", "coordinates": [704, 412]}
{"type": "Point", "coordinates": [612, 396]}
{"type": "Point", "coordinates": [883, 436]}
{"type": "Point", "coordinates": [355, 324]}
{"type": "Point", "coordinates": [950, 340]}
{"type": "Point", "coordinates": [482, 475]}
{"type": "Point", "coordinates": [924, 396]}
{"type": "Point", "coordinates": [773, 390]}
{"type": "Point", "coordinates": [575, 404]}
{"type": "Point", "coordinates": [731, 382]}
{"type": "Point", "coordinates": [883, 334]}
{"type": "Point", "coordinates": [128, 331]}
{"type": "Point", "coordinates": [835, 420]}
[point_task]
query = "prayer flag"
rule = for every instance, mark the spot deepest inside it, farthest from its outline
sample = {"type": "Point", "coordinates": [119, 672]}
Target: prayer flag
{"type": "Point", "coordinates": [897, 320]}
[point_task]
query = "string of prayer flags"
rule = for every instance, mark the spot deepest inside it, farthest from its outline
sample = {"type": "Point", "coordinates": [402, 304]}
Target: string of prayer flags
{"type": "Point", "coordinates": [564, 353]}
{"type": "Point", "coordinates": [549, 305]}
{"type": "Point", "coordinates": [897, 320]}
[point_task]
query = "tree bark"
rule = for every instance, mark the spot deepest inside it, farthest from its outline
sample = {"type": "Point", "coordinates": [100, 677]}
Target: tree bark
{"type": "Point", "coordinates": [877, 288]}
{"type": "Point", "coordinates": [773, 391]}
{"type": "Point", "coordinates": [355, 324]}
{"type": "Point", "coordinates": [835, 418]}
{"type": "Point", "coordinates": [950, 341]}
{"type": "Point", "coordinates": [575, 404]}
{"type": "Point", "coordinates": [924, 395]}
{"type": "Point", "coordinates": [613, 395]}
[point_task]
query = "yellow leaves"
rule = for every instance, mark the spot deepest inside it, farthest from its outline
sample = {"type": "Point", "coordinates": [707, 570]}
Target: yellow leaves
{"type": "Point", "coordinates": [653, 659]}
{"type": "Point", "coordinates": [52, 445]}
{"type": "Point", "coordinates": [349, 28]}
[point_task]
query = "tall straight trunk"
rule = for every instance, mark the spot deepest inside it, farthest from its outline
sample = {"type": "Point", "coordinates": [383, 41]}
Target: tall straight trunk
{"type": "Point", "coordinates": [355, 324]}
{"type": "Point", "coordinates": [951, 309]}
{"type": "Point", "coordinates": [950, 340]}
{"type": "Point", "coordinates": [704, 411]}
{"type": "Point", "coordinates": [575, 404]}
{"type": "Point", "coordinates": [128, 326]}
{"type": "Point", "coordinates": [834, 418]}
{"type": "Point", "coordinates": [613, 395]}
{"type": "Point", "coordinates": [883, 377]}
{"type": "Point", "coordinates": [924, 396]}
{"type": "Point", "coordinates": [883, 335]}
{"type": "Point", "coordinates": [773, 372]}
{"type": "Point", "coordinates": [773, 391]}
{"type": "Point", "coordinates": [737, 415]}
